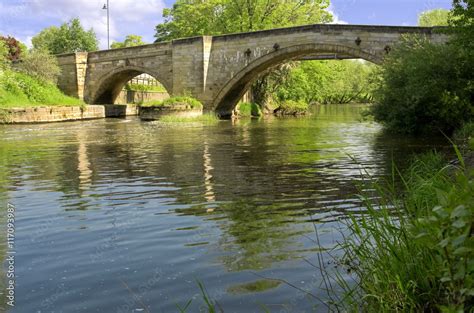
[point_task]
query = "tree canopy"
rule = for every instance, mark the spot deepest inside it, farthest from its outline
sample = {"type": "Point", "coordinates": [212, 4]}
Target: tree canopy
{"type": "Point", "coordinates": [437, 17]}
{"type": "Point", "coordinates": [69, 37]}
{"type": "Point", "coordinates": [213, 17]}
{"type": "Point", "coordinates": [130, 41]}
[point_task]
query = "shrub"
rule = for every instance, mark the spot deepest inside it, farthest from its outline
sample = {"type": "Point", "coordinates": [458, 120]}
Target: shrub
{"type": "Point", "coordinates": [424, 88]}
{"type": "Point", "coordinates": [249, 109]}
{"type": "Point", "coordinates": [13, 46]}
{"type": "Point", "coordinates": [177, 100]}
{"type": "Point", "coordinates": [40, 64]}
{"type": "Point", "coordinates": [291, 107]}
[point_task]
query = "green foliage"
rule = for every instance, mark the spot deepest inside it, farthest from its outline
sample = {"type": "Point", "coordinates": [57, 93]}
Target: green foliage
{"type": "Point", "coordinates": [40, 64]}
{"type": "Point", "coordinates": [415, 255]}
{"type": "Point", "coordinates": [4, 61]}
{"type": "Point", "coordinates": [130, 41]}
{"type": "Point", "coordinates": [69, 37]}
{"type": "Point", "coordinates": [139, 87]}
{"type": "Point", "coordinates": [424, 87]}
{"type": "Point", "coordinates": [14, 48]}
{"type": "Point", "coordinates": [462, 18]}
{"type": "Point", "coordinates": [205, 119]}
{"type": "Point", "coordinates": [21, 90]}
{"type": "Point", "coordinates": [292, 107]}
{"type": "Point", "coordinates": [249, 109]}
{"type": "Point", "coordinates": [189, 18]}
{"type": "Point", "coordinates": [437, 17]}
{"type": "Point", "coordinates": [328, 82]}
{"type": "Point", "coordinates": [177, 100]}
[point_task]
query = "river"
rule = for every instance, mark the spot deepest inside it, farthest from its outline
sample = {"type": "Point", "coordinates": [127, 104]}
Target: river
{"type": "Point", "coordinates": [127, 216]}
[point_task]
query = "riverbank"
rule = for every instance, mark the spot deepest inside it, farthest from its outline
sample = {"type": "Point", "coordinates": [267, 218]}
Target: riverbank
{"type": "Point", "coordinates": [63, 113]}
{"type": "Point", "coordinates": [412, 249]}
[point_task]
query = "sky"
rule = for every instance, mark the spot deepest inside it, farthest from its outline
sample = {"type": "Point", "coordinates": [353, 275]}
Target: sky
{"type": "Point", "coordinates": [23, 19]}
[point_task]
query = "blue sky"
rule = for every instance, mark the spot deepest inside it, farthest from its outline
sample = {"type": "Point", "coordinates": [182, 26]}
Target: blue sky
{"type": "Point", "coordinates": [25, 18]}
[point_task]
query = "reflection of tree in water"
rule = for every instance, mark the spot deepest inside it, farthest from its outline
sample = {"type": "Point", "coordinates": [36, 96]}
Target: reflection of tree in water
{"type": "Point", "coordinates": [256, 236]}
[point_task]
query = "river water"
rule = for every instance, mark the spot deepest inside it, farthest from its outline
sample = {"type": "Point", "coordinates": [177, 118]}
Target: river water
{"type": "Point", "coordinates": [126, 216]}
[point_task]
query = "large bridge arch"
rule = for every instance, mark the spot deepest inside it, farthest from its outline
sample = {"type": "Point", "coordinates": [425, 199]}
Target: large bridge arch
{"type": "Point", "coordinates": [233, 90]}
{"type": "Point", "coordinates": [108, 87]}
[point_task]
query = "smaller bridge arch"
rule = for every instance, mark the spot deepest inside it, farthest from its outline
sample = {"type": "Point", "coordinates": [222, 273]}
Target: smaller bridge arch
{"type": "Point", "coordinates": [109, 86]}
{"type": "Point", "coordinates": [235, 88]}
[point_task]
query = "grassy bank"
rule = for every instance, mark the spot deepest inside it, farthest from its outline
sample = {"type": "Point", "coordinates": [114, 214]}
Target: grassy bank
{"type": "Point", "coordinates": [21, 90]}
{"type": "Point", "coordinates": [177, 100]}
{"type": "Point", "coordinates": [207, 119]}
{"type": "Point", "coordinates": [247, 109]}
{"type": "Point", "coordinates": [415, 254]}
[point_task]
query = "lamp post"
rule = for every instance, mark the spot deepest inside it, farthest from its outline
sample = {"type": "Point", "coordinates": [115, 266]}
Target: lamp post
{"type": "Point", "coordinates": [106, 7]}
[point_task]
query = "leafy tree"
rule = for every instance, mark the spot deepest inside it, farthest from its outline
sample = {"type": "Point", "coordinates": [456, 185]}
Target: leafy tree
{"type": "Point", "coordinates": [213, 17]}
{"type": "Point", "coordinates": [328, 82]}
{"type": "Point", "coordinates": [40, 64]}
{"type": "Point", "coordinates": [425, 87]}
{"type": "Point", "coordinates": [14, 47]}
{"type": "Point", "coordinates": [437, 17]}
{"type": "Point", "coordinates": [69, 37]}
{"type": "Point", "coordinates": [44, 40]}
{"type": "Point", "coordinates": [462, 18]}
{"type": "Point", "coordinates": [130, 41]}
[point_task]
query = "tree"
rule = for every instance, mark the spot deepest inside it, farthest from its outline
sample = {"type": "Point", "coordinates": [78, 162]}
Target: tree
{"type": "Point", "coordinates": [462, 18]}
{"type": "Point", "coordinates": [437, 17]}
{"type": "Point", "coordinates": [425, 87]}
{"type": "Point", "coordinates": [69, 37]}
{"type": "Point", "coordinates": [44, 40]}
{"type": "Point", "coordinates": [130, 41]}
{"type": "Point", "coordinates": [14, 47]}
{"type": "Point", "coordinates": [213, 17]}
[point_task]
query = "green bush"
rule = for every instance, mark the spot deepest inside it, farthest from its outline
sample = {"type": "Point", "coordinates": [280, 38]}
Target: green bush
{"type": "Point", "coordinates": [21, 90]}
{"type": "Point", "coordinates": [425, 88]}
{"type": "Point", "coordinates": [249, 109]}
{"type": "Point", "coordinates": [177, 100]}
{"type": "Point", "coordinates": [291, 107]}
{"type": "Point", "coordinates": [40, 64]}
{"type": "Point", "coordinates": [415, 254]}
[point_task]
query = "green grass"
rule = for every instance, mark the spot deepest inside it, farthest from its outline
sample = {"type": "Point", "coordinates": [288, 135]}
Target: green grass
{"type": "Point", "coordinates": [414, 254]}
{"type": "Point", "coordinates": [193, 103]}
{"type": "Point", "coordinates": [207, 119]}
{"type": "Point", "coordinates": [249, 109]}
{"type": "Point", "coordinates": [138, 87]}
{"type": "Point", "coordinates": [21, 90]}
{"type": "Point", "coordinates": [465, 135]}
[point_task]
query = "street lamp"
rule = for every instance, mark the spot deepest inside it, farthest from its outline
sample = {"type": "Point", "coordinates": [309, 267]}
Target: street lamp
{"type": "Point", "coordinates": [106, 7]}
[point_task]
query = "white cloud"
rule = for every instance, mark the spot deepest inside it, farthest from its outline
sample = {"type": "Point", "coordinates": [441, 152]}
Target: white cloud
{"type": "Point", "coordinates": [336, 19]}
{"type": "Point", "coordinates": [126, 16]}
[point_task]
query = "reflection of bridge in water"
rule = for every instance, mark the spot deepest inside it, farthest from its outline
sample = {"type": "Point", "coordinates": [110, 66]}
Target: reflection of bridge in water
{"type": "Point", "coordinates": [218, 70]}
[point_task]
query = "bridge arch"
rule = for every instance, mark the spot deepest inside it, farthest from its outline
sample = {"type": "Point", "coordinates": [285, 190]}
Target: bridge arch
{"type": "Point", "coordinates": [108, 87]}
{"type": "Point", "coordinates": [230, 94]}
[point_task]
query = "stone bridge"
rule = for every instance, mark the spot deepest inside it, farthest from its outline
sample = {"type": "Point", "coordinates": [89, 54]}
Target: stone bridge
{"type": "Point", "coordinates": [218, 70]}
